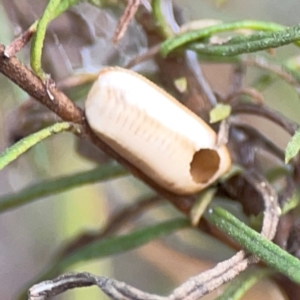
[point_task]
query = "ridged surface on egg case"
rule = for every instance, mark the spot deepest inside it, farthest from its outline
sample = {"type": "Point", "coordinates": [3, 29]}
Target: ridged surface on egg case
{"type": "Point", "coordinates": [149, 128]}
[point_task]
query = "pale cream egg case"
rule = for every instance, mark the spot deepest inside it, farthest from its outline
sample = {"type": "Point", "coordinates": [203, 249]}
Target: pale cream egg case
{"type": "Point", "coordinates": [155, 132]}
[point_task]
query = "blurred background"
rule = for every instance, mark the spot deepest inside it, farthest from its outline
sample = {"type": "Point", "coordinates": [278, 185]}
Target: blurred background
{"type": "Point", "coordinates": [80, 41]}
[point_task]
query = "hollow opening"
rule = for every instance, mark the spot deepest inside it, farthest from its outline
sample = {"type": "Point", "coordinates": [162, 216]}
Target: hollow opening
{"type": "Point", "coordinates": [204, 165]}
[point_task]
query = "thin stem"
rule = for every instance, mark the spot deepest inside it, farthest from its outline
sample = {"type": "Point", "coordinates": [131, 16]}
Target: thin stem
{"type": "Point", "coordinates": [16, 45]}
{"type": "Point", "coordinates": [68, 111]}
{"type": "Point", "coordinates": [13, 152]}
{"type": "Point", "coordinates": [128, 14]}
{"type": "Point", "coordinates": [57, 185]}
{"type": "Point", "coordinates": [254, 94]}
{"type": "Point", "coordinates": [38, 39]}
{"type": "Point", "coordinates": [194, 68]}
{"type": "Point", "coordinates": [267, 41]}
{"type": "Point", "coordinates": [200, 285]}
{"type": "Point", "coordinates": [258, 139]}
{"type": "Point", "coordinates": [160, 17]}
{"type": "Point", "coordinates": [193, 36]}
{"type": "Point", "coordinates": [150, 53]}
{"type": "Point", "coordinates": [113, 288]}
{"type": "Point", "coordinates": [239, 287]}
{"type": "Point", "coordinates": [263, 111]}
{"type": "Point", "coordinates": [270, 253]}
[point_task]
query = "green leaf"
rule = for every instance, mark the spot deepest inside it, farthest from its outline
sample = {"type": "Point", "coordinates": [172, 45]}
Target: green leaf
{"type": "Point", "coordinates": [61, 184]}
{"type": "Point", "coordinates": [219, 113]}
{"type": "Point", "coordinates": [200, 205]}
{"type": "Point", "coordinates": [252, 43]}
{"type": "Point", "coordinates": [39, 36]}
{"type": "Point", "coordinates": [252, 241]}
{"type": "Point", "coordinates": [110, 246]}
{"type": "Point", "coordinates": [120, 244]}
{"type": "Point", "coordinates": [160, 19]}
{"type": "Point", "coordinates": [293, 147]}
{"type": "Point", "coordinates": [237, 288]}
{"type": "Point", "coordinates": [291, 203]}
{"type": "Point", "coordinates": [172, 44]}
{"type": "Point", "coordinates": [53, 9]}
{"type": "Point", "coordinates": [23, 145]}
{"type": "Point", "coordinates": [62, 7]}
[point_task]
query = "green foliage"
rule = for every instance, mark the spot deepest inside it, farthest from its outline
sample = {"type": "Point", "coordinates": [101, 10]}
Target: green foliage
{"type": "Point", "coordinates": [239, 286]}
{"type": "Point", "coordinates": [111, 246]}
{"type": "Point", "coordinates": [12, 153]}
{"type": "Point", "coordinates": [201, 204]}
{"type": "Point", "coordinates": [254, 43]}
{"type": "Point", "coordinates": [249, 43]}
{"type": "Point", "coordinates": [219, 113]}
{"type": "Point", "coordinates": [293, 147]}
{"type": "Point", "coordinates": [270, 253]}
{"type": "Point", "coordinates": [38, 39]}
{"type": "Point", "coordinates": [210, 47]}
{"type": "Point", "coordinates": [120, 244]}
{"type": "Point", "coordinates": [160, 19]}
{"type": "Point", "coordinates": [58, 185]}
{"type": "Point", "coordinates": [52, 10]}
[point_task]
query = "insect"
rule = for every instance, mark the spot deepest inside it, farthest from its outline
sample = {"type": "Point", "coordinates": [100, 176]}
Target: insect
{"type": "Point", "coordinates": [155, 132]}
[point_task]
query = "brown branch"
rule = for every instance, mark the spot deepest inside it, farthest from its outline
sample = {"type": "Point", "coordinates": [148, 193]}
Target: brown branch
{"type": "Point", "coordinates": [68, 111]}
{"type": "Point", "coordinates": [193, 288]}
{"type": "Point", "coordinates": [254, 94]}
{"type": "Point", "coordinates": [257, 139]}
{"type": "Point", "coordinates": [30, 83]}
{"type": "Point", "coordinates": [128, 14]}
{"type": "Point", "coordinates": [18, 44]}
{"type": "Point", "coordinates": [198, 96]}
{"type": "Point", "coordinates": [267, 113]}
{"type": "Point", "coordinates": [148, 54]}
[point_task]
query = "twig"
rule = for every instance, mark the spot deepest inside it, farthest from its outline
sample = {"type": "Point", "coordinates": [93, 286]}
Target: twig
{"type": "Point", "coordinates": [150, 53]}
{"type": "Point", "coordinates": [68, 111]}
{"type": "Point", "coordinates": [194, 287]}
{"type": "Point", "coordinates": [113, 288]}
{"type": "Point", "coordinates": [31, 116]}
{"type": "Point", "coordinates": [223, 132]}
{"type": "Point", "coordinates": [272, 210]}
{"type": "Point", "coordinates": [207, 281]}
{"type": "Point", "coordinates": [30, 83]}
{"type": "Point", "coordinates": [16, 45]}
{"type": "Point", "coordinates": [121, 291]}
{"type": "Point", "coordinates": [237, 78]}
{"type": "Point", "coordinates": [257, 139]}
{"type": "Point", "coordinates": [254, 94]}
{"type": "Point", "coordinates": [200, 285]}
{"type": "Point", "coordinates": [127, 16]}
{"type": "Point", "coordinates": [198, 88]}
{"type": "Point", "coordinates": [194, 68]}
{"type": "Point", "coordinates": [263, 111]}
{"type": "Point", "coordinates": [195, 76]}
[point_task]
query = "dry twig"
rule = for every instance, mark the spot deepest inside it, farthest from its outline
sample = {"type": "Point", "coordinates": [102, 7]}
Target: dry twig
{"type": "Point", "coordinates": [68, 111]}
{"type": "Point", "coordinates": [128, 15]}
